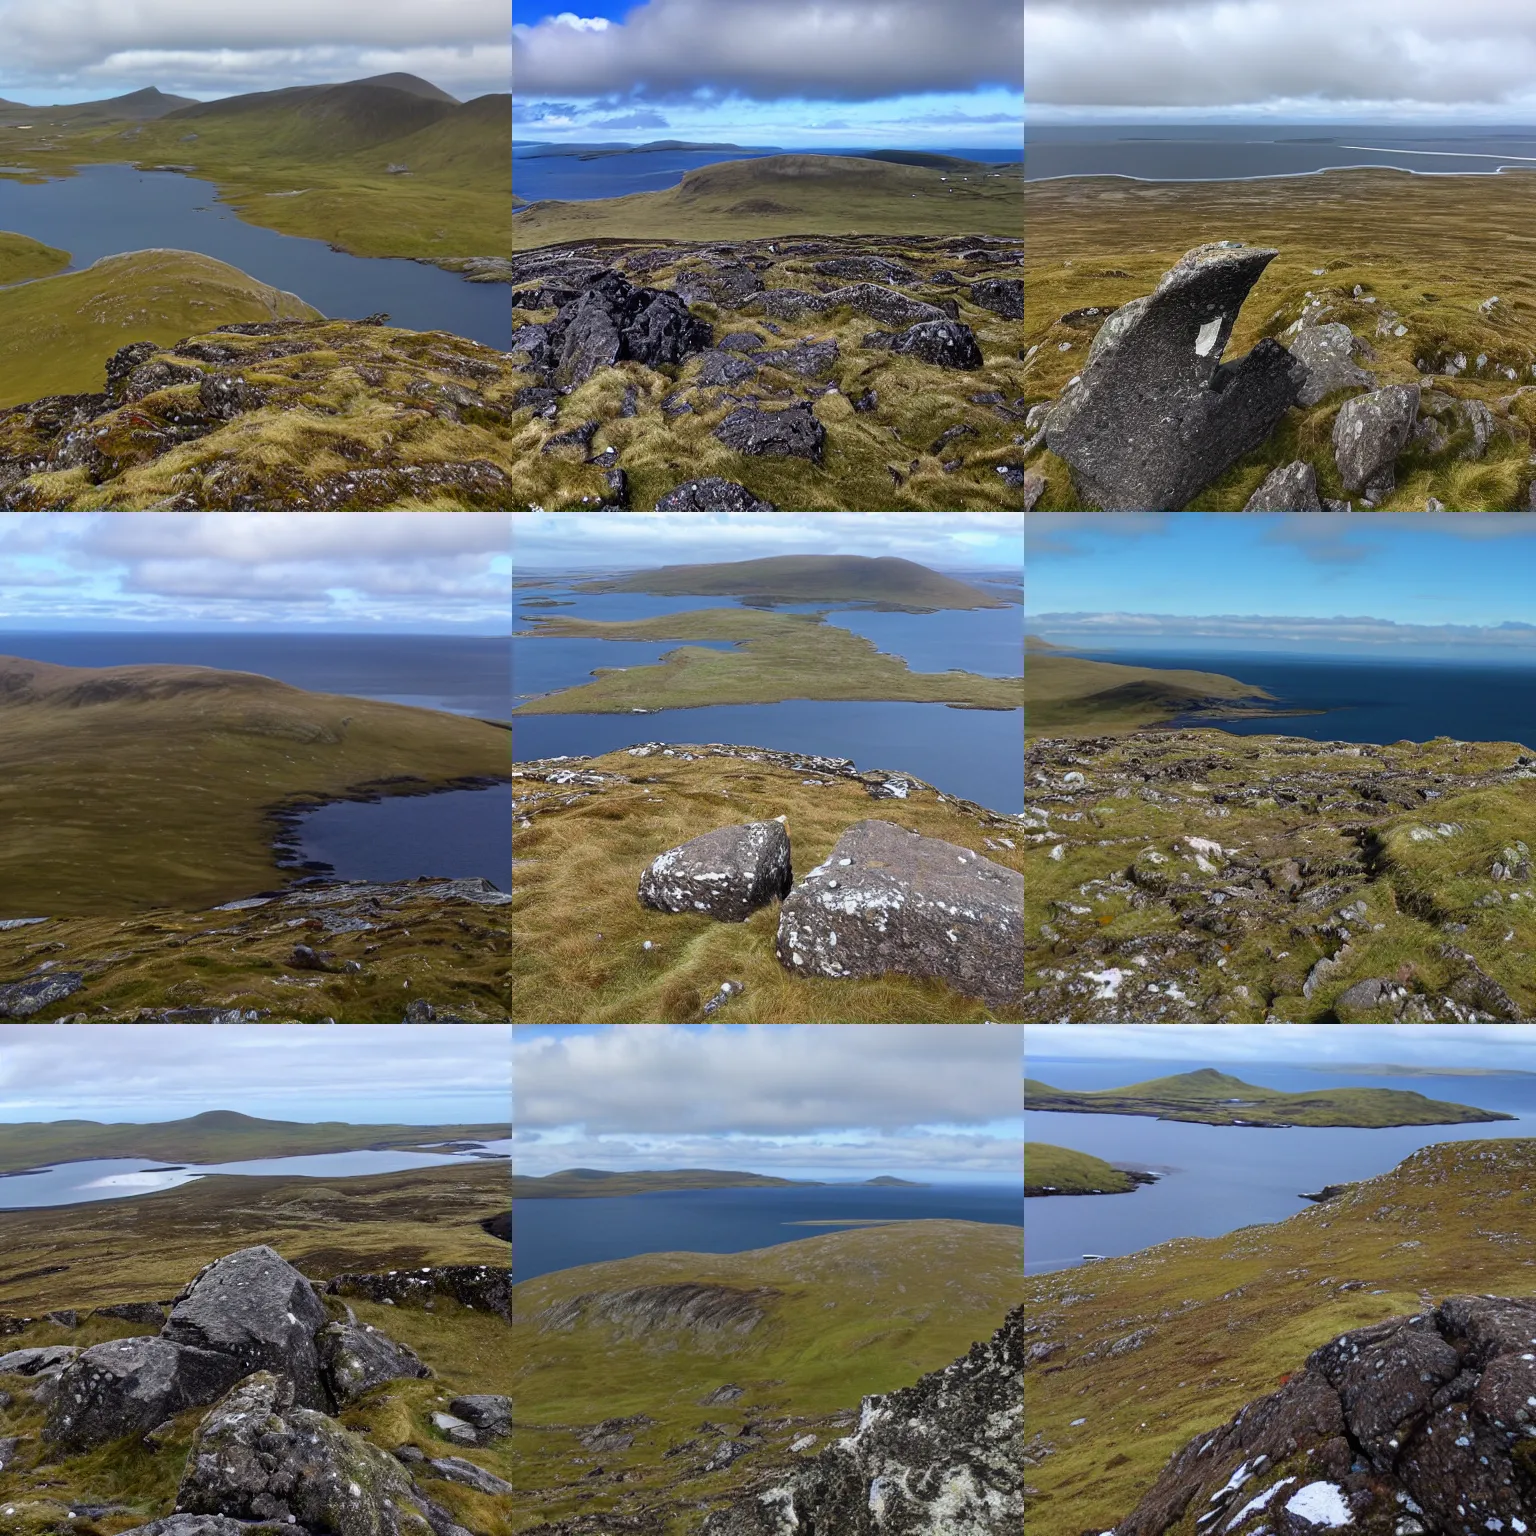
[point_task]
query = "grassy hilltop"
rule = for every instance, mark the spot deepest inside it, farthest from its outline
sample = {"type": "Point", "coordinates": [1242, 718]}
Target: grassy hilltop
{"type": "Point", "coordinates": [1205, 1325]}
{"type": "Point", "coordinates": [793, 194]}
{"type": "Point", "coordinates": [23, 258]}
{"type": "Point", "coordinates": [1209, 1097]}
{"type": "Point", "coordinates": [1050, 1170]}
{"type": "Point", "coordinates": [804, 1329]}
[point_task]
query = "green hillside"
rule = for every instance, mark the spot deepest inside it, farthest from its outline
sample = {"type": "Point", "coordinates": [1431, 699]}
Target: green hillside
{"type": "Point", "coordinates": [23, 258]}
{"type": "Point", "coordinates": [1051, 1170]}
{"type": "Point", "coordinates": [1069, 696]}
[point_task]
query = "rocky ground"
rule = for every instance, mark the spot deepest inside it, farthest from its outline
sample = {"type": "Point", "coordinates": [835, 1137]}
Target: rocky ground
{"type": "Point", "coordinates": [329, 415]}
{"type": "Point", "coordinates": [1199, 877]}
{"type": "Point", "coordinates": [254, 1402]}
{"type": "Point", "coordinates": [856, 372]}
{"type": "Point", "coordinates": [349, 951]}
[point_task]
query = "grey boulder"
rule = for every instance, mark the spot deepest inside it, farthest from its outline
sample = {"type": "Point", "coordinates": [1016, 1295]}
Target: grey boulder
{"type": "Point", "coordinates": [1290, 488]}
{"type": "Point", "coordinates": [456, 1470]}
{"type": "Point", "coordinates": [791, 433]}
{"type": "Point", "coordinates": [1002, 295]}
{"type": "Point", "coordinates": [887, 304]}
{"type": "Point", "coordinates": [490, 1414]}
{"type": "Point", "coordinates": [613, 321]}
{"type": "Point", "coordinates": [1369, 433]}
{"type": "Point", "coordinates": [1157, 415]}
{"type": "Point", "coordinates": [257, 1308]}
{"type": "Point", "coordinates": [128, 1386]}
{"type": "Point", "coordinates": [358, 1358]}
{"type": "Point", "coordinates": [726, 874]}
{"type": "Point", "coordinates": [807, 358]}
{"type": "Point", "coordinates": [891, 900]}
{"type": "Point", "coordinates": [21, 999]}
{"type": "Point", "coordinates": [1328, 351]}
{"type": "Point", "coordinates": [211, 1525]}
{"type": "Point", "coordinates": [943, 343]}
{"type": "Point", "coordinates": [37, 1362]}
{"type": "Point", "coordinates": [721, 367]}
{"type": "Point", "coordinates": [712, 494]}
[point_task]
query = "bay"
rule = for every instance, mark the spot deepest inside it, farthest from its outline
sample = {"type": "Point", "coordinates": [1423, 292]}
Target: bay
{"type": "Point", "coordinates": [105, 210]}
{"type": "Point", "coordinates": [549, 1235]}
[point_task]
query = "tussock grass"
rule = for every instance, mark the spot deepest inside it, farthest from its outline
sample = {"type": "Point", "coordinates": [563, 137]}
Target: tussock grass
{"type": "Point", "coordinates": [579, 930]}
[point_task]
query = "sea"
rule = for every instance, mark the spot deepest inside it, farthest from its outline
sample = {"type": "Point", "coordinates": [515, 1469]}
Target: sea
{"type": "Point", "coordinates": [1367, 699]}
{"type": "Point", "coordinates": [1227, 152]}
{"type": "Point", "coordinates": [559, 1234]}
{"type": "Point", "coordinates": [1214, 1179]}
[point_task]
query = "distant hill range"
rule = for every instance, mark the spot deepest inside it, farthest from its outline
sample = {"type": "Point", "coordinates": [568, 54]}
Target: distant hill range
{"type": "Point", "coordinates": [656, 146]}
{"type": "Point", "coordinates": [137, 106]}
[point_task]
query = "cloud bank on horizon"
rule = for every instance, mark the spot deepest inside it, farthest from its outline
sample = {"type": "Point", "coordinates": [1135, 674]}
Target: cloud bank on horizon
{"type": "Point", "coordinates": [1321, 59]}
{"type": "Point", "coordinates": [805, 69]}
{"type": "Point", "coordinates": [79, 50]}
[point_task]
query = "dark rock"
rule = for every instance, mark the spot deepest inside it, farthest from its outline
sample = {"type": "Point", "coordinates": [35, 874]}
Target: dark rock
{"type": "Point", "coordinates": [420, 1011]}
{"type": "Point", "coordinates": [874, 268]}
{"type": "Point", "coordinates": [949, 434]}
{"type": "Point", "coordinates": [1369, 433]}
{"type": "Point", "coordinates": [1290, 488]}
{"type": "Point", "coordinates": [134, 1312]}
{"type": "Point", "coordinates": [256, 1307]}
{"type": "Point", "coordinates": [1157, 415]}
{"type": "Point", "coordinates": [148, 378]}
{"type": "Point", "coordinates": [577, 437]}
{"type": "Point", "coordinates": [944, 343]}
{"type": "Point", "coordinates": [37, 1361]}
{"type": "Point", "coordinates": [722, 368]}
{"type": "Point", "coordinates": [65, 1317]}
{"type": "Point", "coordinates": [794, 432]}
{"type": "Point", "coordinates": [224, 396]}
{"type": "Point", "coordinates": [725, 1394]}
{"type": "Point", "coordinates": [887, 305]}
{"type": "Point", "coordinates": [807, 358]}
{"type": "Point", "coordinates": [616, 489]}
{"type": "Point", "coordinates": [726, 874]}
{"type": "Point", "coordinates": [613, 321]}
{"type": "Point", "coordinates": [1002, 295]}
{"type": "Point", "coordinates": [890, 900]}
{"type": "Point", "coordinates": [457, 1470]}
{"type": "Point", "coordinates": [490, 1414]}
{"type": "Point", "coordinates": [740, 341]}
{"type": "Point", "coordinates": [22, 999]}
{"type": "Point", "coordinates": [1328, 353]}
{"type": "Point", "coordinates": [128, 1386]}
{"type": "Point", "coordinates": [868, 401]}
{"type": "Point", "coordinates": [123, 363]}
{"type": "Point", "coordinates": [304, 958]}
{"type": "Point", "coordinates": [727, 283]}
{"type": "Point", "coordinates": [357, 1358]}
{"type": "Point", "coordinates": [878, 341]}
{"type": "Point", "coordinates": [1478, 420]}
{"type": "Point", "coordinates": [943, 1457]}
{"type": "Point", "coordinates": [536, 398]}
{"type": "Point", "coordinates": [211, 1525]}
{"type": "Point", "coordinates": [790, 303]}
{"type": "Point", "coordinates": [481, 1287]}
{"type": "Point", "coordinates": [711, 494]}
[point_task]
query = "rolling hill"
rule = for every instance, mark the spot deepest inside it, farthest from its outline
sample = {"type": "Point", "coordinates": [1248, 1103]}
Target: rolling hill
{"type": "Point", "coordinates": [23, 258]}
{"type": "Point", "coordinates": [136, 106]}
{"type": "Point", "coordinates": [572, 1183]}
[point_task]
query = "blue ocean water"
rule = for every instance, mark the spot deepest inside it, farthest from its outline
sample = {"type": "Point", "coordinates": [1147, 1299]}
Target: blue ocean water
{"type": "Point", "coordinates": [104, 210]}
{"type": "Point", "coordinates": [560, 1234]}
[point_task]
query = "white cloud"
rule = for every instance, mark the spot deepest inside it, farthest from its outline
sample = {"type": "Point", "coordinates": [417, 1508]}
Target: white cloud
{"type": "Point", "coordinates": [1340, 629]}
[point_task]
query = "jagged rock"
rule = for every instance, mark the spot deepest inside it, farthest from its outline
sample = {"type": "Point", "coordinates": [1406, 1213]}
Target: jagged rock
{"type": "Point", "coordinates": [943, 1457]}
{"type": "Point", "coordinates": [65, 1317]}
{"type": "Point", "coordinates": [1428, 1415]}
{"type": "Point", "coordinates": [726, 874]}
{"type": "Point", "coordinates": [150, 1312]}
{"type": "Point", "coordinates": [1290, 488]}
{"type": "Point", "coordinates": [490, 1414]}
{"type": "Point", "coordinates": [457, 1470]}
{"type": "Point", "coordinates": [944, 343]}
{"type": "Point", "coordinates": [35, 1362]}
{"type": "Point", "coordinates": [451, 1427]}
{"type": "Point", "coordinates": [211, 1525]}
{"type": "Point", "coordinates": [807, 358]}
{"type": "Point", "coordinates": [726, 1394]}
{"type": "Point", "coordinates": [794, 432]}
{"type": "Point", "coordinates": [123, 363]}
{"type": "Point", "coordinates": [1157, 416]}
{"type": "Point", "coordinates": [887, 305]}
{"type": "Point", "coordinates": [1002, 295]}
{"type": "Point", "coordinates": [482, 1287]}
{"type": "Point", "coordinates": [703, 1310]}
{"type": "Point", "coordinates": [1369, 433]}
{"type": "Point", "coordinates": [358, 1358]}
{"type": "Point", "coordinates": [257, 1308]}
{"type": "Point", "coordinates": [888, 899]}
{"type": "Point", "coordinates": [611, 320]}
{"type": "Point", "coordinates": [1475, 416]}
{"type": "Point", "coordinates": [21, 999]}
{"type": "Point", "coordinates": [741, 341]}
{"type": "Point", "coordinates": [721, 368]}
{"type": "Point", "coordinates": [712, 494]}
{"type": "Point", "coordinates": [128, 1386]}
{"type": "Point", "coordinates": [1328, 351]}
{"type": "Point", "coordinates": [874, 268]}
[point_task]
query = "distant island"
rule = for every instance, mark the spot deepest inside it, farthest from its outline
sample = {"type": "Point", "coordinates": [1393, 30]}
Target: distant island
{"type": "Point", "coordinates": [1210, 1097]}
{"type": "Point", "coordinates": [578, 1183]}
{"type": "Point", "coordinates": [656, 146]}
{"type": "Point", "coordinates": [1052, 1170]}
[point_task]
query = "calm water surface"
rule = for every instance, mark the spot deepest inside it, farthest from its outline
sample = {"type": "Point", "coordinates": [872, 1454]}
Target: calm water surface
{"type": "Point", "coordinates": [559, 1234]}
{"type": "Point", "coordinates": [104, 210]}
{"type": "Point", "coordinates": [1215, 1179]}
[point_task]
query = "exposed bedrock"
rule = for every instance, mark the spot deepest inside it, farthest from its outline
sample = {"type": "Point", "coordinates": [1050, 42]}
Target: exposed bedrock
{"type": "Point", "coordinates": [726, 874]}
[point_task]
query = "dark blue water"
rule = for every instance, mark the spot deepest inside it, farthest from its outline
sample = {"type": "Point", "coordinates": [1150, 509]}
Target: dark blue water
{"type": "Point", "coordinates": [1222, 153]}
{"type": "Point", "coordinates": [1218, 1178]}
{"type": "Point", "coordinates": [456, 835]}
{"type": "Point", "coordinates": [108, 209]}
{"type": "Point", "coordinates": [564, 177]}
{"type": "Point", "coordinates": [1370, 701]}
{"type": "Point", "coordinates": [560, 1234]}
{"type": "Point", "coordinates": [977, 754]}
{"type": "Point", "coordinates": [463, 674]}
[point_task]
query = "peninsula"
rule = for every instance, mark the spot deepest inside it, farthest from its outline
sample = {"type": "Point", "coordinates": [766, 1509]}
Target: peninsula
{"type": "Point", "coordinates": [1052, 1170]}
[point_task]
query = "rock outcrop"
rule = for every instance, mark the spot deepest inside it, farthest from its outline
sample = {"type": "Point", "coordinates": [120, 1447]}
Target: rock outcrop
{"type": "Point", "coordinates": [1413, 1425]}
{"type": "Point", "coordinates": [357, 1358]}
{"type": "Point", "coordinates": [943, 1457]}
{"type": "Point", "coordinates": [481, 1287]}
{"type": "Point", "coordinates": [1328, 351]}
{"type": "Point", "coordinates": [1157, 415]}
{"type": "Point", "coordinates": [1369, 433]}
{"type": "Point", "coordinates": [726, 874]}
{"type": "Point", "coordinates": [888, 899]}
{"type": "Point", "coordinates": [702, 1310]}
{"type": "Point", "coordinates": [712, 494]}
{"type": "Point", "coordinates": [1291, 488]}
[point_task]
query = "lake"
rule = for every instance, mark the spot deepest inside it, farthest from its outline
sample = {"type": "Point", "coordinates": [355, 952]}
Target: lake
{"type": "Point", "coordinates": [538, 175]}
{"type": "Point", "coordinates": [121, 1178]}
{"type": "Point", "coordinates": [1215, 1179]}
{"type": "Point", "coordinates": [1368, 700]}
{"type": "Point", "coordinates": [462, 674]}
{"type": "Point", "coordinates": [105, 210]}
{"type": "Point", "coordinates": [560, 1234]}
{"type": "Point", "coordinates": [454, 834]}
{"type": "Point", "coordinates": [1216, 152]}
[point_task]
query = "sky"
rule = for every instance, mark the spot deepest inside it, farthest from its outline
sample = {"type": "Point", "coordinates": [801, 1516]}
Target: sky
{"type": "Point", "coordinates": [1421, 584]}
{"type": "Point", "coordinates": [1496, 1047]}
{"type": "Point", "coordinates": [798, 74]}
{"type": "Point", "coordinates": [392, 1074]}
{"type": "Point", "coordinates": [83, 50]}
{"type": "Point", "coordinates": [935, 1103]}
{"type": "Point", "coordinates": [389, 572]}
{"type": "Point", "coordinates": [607, 540]}
{"type": "Point", "coordinates": [1247, 60]}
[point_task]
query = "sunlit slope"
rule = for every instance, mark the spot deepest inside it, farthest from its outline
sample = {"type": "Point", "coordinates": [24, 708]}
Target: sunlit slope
{"type": "Point", "coordinates": [23, 258]}
{"type": "Point", "coordinates": [1070, 696]}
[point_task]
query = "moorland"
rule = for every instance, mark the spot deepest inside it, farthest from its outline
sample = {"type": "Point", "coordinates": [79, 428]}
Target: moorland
{"type": "Point", "coordinates": [1209, 1097]}
{"type": "Point", "coordinates": [651, 1390]}
{"type": "Point", "coordinates": [1432, 277]}
{"type": "Point", "coordinates": [1051, 1170]}
{"type": "Point", "coordinates": [1132, 1356]}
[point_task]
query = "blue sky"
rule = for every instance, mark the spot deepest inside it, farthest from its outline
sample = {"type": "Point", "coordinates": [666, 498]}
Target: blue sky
{"type": "Point", "coordinates": [935, 1103]}
{"type": "Point", "coordinates": [1420, 584]}
{"type": "Point", "coordinates": [388, 572]}
{"type": "Point", "coordinates": [799, 74]}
